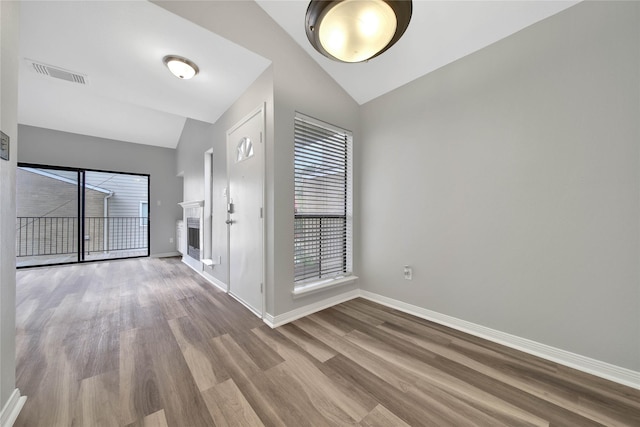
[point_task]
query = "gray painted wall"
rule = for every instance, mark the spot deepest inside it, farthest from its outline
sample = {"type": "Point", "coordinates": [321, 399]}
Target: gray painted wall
{"type": "Point", "coordinates": [299, 84]}
{"type": "Point", "coordinates": [55, 148]}
{"type": "Point", "coordinates": [9, 17]}
{"type": "Point", "coordinates": [510, 179]}
{"type": "Point", "coordinates": [197, 138]}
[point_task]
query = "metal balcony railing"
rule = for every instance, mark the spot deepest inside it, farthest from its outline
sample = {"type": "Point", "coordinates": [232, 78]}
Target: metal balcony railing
{"type": "Point", "coordinates": [320, 246]}
{"type": "Point", "coordinates": [37, 236]}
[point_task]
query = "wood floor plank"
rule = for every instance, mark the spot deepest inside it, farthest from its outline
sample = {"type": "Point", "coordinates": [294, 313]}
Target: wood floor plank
{"type": "Point", "coordinates": [28, 307]}
{"type": "Point", "coordinates": [400, 402]}
{"type": "Point", "coordinates": [229, 406]}
{"type": "Point", "coordinates": [236, 317]}
{"type": "Point", "coordinates": [169, 303]}
{"type": "Point", "coordinates": [336, 327]}
{"type": "Point", "coordinates": [446, 391]}
{"type": "Point", "coordinates": [559, 397]}
{"type": "Point", "coordinates": [184, 331]}
{"type": "Point", "coordinates": [358, 315]}
{"type": "Point", "coordinates": [65, 312]}
{"type": "Point", "coordinates": [157, 419]}
{"type": "Point", "coordinates": [398, 377]}
{"type": "Point", "coordinates": [382, 417]}
{"type": "Point", "coordinates": [540, 379]}
{"type": "Point", "coordinates": [198, 354]}
{"type": "Point", "coordinates": [148, 342]}
{"type": "Point", "coordinates": [408, 321]}
{"type": "Point", "coordinates": [316, 348]}
{"type": "Point", "coordinates": [299, 404]}
{"type": "Point", "coordinates": [96, 349]}
{"type": "Point", "coordinates": [133, 315]}
{"type": "Point", "coordinates": [216, 412]}
{"type": "Point", "coordinates": [209, 323]}
{"type": "Point", "coordinates": [330, 400]}
{"type": "Point", "coordinates": [491, 385]}
{"type": "Point", "coordinates": [252, 382]}
{"type": "Point", "coordinates": [177, 388]}
{"type": "Point", "coordinates": [98, 403]}
{"type": "Point", "coordinates": [139, 395]}
{"type": "Point", "coordinates": [56, 384]}
{"type": "Point", "coordinates": [263, 357]}
{"type": "Point", "coordinates": [603, 390]}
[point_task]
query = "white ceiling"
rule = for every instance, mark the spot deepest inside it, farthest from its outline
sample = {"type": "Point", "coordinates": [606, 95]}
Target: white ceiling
{"type": "Point", "coordinates": [439, 33]}
{"type": "Point", "coordinates": [131, 96]}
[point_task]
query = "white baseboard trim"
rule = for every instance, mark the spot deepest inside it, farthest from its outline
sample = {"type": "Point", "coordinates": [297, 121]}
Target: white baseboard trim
{"type": "Point", "coordinates": [290, 316]}
{"type": "Point", "coordinates": [215, 282]}
{"type": "Point", "coordinates": [582, 363]}
{"type": "Point", "coordinates": [166, 255]}
{"type": "Point", "coordinates": [247, 306]}
{"type": "Point", "coordinates": [591, 366]}
{"type": "Point", "coordinates": [209, 278]}
{"type": "Point", "coordinates": [12, 409]}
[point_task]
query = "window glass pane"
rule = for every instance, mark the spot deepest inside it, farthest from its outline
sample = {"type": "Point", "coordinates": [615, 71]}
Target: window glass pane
{"type": "Point", "coordinates": [47, 223]}
{"type": "Point", "coordinates": [322, 200]}
{"type": "Point", "coordinates": [73, 215]}
{"type": "Point", "coordinates": [144, 213]}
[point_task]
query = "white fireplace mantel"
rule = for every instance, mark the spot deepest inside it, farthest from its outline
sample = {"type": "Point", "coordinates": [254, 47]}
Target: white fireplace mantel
{"type": "Point", "coordinates": [192, 204]}
{"type": "Point", "coordinates": [193, 209]}
{"type": "Point", "coordinates": [203, 266]}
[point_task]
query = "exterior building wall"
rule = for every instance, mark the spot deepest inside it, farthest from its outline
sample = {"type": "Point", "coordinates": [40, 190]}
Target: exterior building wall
{"type": "Point", "coordinates": [47, 215]}
{"type": "Point", "coordinates": [126, 227]}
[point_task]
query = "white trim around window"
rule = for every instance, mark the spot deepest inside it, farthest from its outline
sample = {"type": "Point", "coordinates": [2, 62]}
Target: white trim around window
{"type": "Point", "coordinates": [323, 205]}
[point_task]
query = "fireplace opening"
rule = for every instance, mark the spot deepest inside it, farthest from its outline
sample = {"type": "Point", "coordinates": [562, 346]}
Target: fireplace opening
{"type": "Point", "coordinates": [193, 238]}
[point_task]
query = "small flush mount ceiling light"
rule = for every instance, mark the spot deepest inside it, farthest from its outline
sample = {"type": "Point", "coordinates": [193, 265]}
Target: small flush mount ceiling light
{"type": "Point", "coordinates": [356, 30]}
{"type": "Point", "coordinates": [180, 67]}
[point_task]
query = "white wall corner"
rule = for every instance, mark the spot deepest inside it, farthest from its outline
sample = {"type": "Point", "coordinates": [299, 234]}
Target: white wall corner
{"type": "Point", "coordinates": [290, 316]}
{"type": "Point", "coordinates": [269, 319]}
{"type": "Point", "coordinates": [582, 363]}
{"type": "Point", "coordinates": [12, 409]}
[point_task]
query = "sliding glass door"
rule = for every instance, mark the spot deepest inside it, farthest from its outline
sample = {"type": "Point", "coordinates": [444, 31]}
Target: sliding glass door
{"type": "Point", "coordinates": [69, 215]}
{"type": "Point", "coordinates": [47, 225]}
{"type": "Point", "coordinates": [116, 215]}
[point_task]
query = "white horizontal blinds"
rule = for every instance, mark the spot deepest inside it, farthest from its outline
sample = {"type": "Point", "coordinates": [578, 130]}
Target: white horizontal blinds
{"type": "Point", "coordinates": [322, 197]}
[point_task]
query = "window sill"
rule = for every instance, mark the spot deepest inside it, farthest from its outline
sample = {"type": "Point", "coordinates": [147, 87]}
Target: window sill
{"type": "Point", "coordinates": [321, 285]}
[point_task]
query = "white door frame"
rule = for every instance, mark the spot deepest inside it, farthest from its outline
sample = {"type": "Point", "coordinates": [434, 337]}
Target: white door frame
{"type": "Point", "coordinates": [260, 110]}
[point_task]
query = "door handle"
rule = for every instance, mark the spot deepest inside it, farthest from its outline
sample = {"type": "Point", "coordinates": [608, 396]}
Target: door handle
{"type": "Point", "coordinates": [229, 221]}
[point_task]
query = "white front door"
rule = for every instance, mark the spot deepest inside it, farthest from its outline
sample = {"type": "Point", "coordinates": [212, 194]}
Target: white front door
{"type": "Point", "coordinates": [245, 169]}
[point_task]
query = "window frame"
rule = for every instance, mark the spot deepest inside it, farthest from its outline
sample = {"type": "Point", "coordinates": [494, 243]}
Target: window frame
{"type": "Point", "coordinates": [345, 276]}
{"type": "Point", "coordinates": [144, 219]}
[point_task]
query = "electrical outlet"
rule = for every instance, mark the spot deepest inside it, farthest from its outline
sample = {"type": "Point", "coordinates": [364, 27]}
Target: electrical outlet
{"type": "Point", "coordinates": [408, 272]}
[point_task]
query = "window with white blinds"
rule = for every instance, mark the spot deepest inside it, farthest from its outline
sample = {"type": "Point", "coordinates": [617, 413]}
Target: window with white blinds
{"type": "Point", "coordinates": [323, 216]}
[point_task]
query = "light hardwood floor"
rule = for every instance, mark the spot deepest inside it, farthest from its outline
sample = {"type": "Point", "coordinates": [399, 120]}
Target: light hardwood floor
{"type": "Point", "coordinates": [147, 342]}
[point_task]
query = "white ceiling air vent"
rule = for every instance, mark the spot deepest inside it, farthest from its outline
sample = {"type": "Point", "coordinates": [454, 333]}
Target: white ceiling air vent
{"type": "Point", "coordinates": [57, 72]}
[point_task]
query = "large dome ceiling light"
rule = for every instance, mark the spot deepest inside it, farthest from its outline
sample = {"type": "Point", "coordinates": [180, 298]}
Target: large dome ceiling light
{"type": "Point", "coordinates": [356, 30]}
{"type": "Point", "coordinates": [180, 67]}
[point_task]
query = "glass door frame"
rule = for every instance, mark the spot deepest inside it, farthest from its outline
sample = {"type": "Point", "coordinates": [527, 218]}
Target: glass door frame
{"type": "Point", "coordinates": [81, 199]}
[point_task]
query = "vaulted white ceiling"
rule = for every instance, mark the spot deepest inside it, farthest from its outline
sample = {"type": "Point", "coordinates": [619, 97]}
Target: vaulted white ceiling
{"type": "Point", "coordinates": [119, 46]}
{"type": "Point", "coordinates": [439, 33]}
{"type": "Point", "coordinates": [131, 96]}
